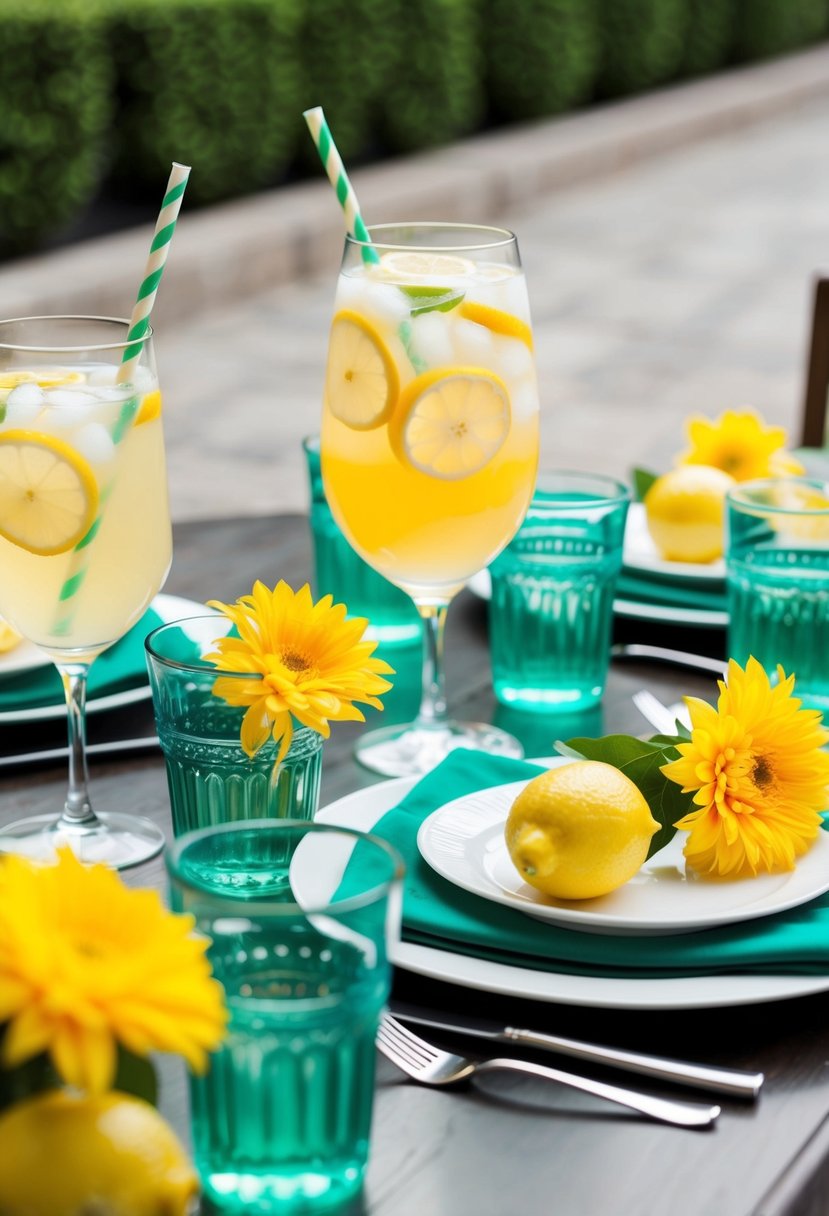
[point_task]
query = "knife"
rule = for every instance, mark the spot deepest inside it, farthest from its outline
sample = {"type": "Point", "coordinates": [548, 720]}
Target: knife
{"type": "Point", "coordinates": [730, 1081]}
{"type": "Point", "coordinates": [664, 654]}
{"type": "Point", "coordinates": [115, 747]}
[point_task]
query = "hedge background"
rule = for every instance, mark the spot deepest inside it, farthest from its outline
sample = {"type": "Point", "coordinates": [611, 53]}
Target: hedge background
{"type": "Point", "coordinates": [98, 96]}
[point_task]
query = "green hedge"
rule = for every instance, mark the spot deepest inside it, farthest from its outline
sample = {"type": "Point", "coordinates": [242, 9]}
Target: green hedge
{"type": "Point", "coordinates": [771, 27]}
{"type": "Point", "coordinates": [643, 41]}
{"type": "Point", "coordinates": [433, 90]}
{"type": "Point", "coordinates": [212, 83]}
{"type": "Point", "coordinates": [712, 27]}
{"type": "Point", "coordinates": [55, 108]}
{"type": "Point", "coordinates": [542, 56]}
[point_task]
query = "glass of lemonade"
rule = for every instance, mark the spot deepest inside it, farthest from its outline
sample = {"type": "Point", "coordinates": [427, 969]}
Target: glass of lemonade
{"type": "Point", "coordinates": [430, 436]}
{"type": "Point", "coordinates": [85, 536]}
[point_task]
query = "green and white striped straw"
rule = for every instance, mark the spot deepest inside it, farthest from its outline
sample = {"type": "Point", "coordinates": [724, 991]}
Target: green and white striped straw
{"type": "Point", "coordinates": [156, 261]}
{"type": "Point", "coordinates": [334, 167]}
{"type": "Point", "coordinates": [139, 325]}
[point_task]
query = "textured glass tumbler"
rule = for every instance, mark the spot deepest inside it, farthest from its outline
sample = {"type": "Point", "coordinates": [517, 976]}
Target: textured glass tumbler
{"type": "Point", "coordinates": [281, 1121]}
{"type": "Point", "coordinates": [210, 778]}
{"type": "Point", "coordinates": [551, 609]}
{"type": "Point", "coordinates": [777, 563]}
{"type": "Point", "coordinates": [339, 571]}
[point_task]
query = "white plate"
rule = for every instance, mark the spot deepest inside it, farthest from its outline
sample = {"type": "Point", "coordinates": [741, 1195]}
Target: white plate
{"type": "Point", "coordinates": [364, 808]}
{"type": "Point", "coordinates": [464, 842]}
{"type": "Point", "coordinates": [640, 553]}
{"type": "Point", "coordinates": [168, 608]}
{"type": "Point", "coordinates": [25, 656]}
{"type": "Point", "coordinates": [705, 618]}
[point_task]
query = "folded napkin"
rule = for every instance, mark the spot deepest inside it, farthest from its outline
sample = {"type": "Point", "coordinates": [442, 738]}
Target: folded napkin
{"type": "Point", "coordinates": [643, 588]}
{"type": "Point", "coordinates": [118, 669]}
{"type": "Point", "coordinates": [436, 913]}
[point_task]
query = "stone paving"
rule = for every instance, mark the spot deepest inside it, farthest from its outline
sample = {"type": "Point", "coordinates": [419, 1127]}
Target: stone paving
{"type": "Point", "coordinates": [681, 284]}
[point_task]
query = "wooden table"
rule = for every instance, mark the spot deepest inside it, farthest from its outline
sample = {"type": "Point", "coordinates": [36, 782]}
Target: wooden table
{"type": "Point", "coordinates": [531, 1149]}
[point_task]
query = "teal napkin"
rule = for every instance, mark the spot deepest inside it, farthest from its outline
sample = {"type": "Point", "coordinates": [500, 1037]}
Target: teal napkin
{"type": "Point", "coordinates": [118, 669]}
{"type": "Point", "coordinates": [438, 914]}
{"type": "Point", "coordinates": [643, 589]}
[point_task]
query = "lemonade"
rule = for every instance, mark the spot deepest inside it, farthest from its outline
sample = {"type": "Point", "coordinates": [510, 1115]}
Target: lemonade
{"type": "Point", "coordinates": [430, 423]}
{"type": "Point", "coordinates": [85, 539]}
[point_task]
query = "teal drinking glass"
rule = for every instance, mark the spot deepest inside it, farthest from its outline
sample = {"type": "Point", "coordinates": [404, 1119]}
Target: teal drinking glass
{"type": "Point", "coordinates": [551, 609]}
{"type": "Point", "coordinates": [339, 571]}
{"type": "Point", "coordinates": [210, 778]}
{"type": "Point", "coordinates": [299, 917]}
{"type": "Point", "coordinates": [777, 564]}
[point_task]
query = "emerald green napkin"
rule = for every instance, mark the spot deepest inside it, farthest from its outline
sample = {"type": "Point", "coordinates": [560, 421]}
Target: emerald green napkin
{"type": "Point", "coordinates": [121, 667]}
{"type": "Point", "coordinates": [438, 914]}
{"type": "Point", "coordinates": [643, 589]}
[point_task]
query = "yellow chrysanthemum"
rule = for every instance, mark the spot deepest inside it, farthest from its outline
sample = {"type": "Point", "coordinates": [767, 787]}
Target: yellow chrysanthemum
{"type": "Point", "coordinates": [304, 659]}
{"type": "Point", "coordinates": [760, 775]}
{"type": "Point", "coordinates": [739, 444]}
{"type": "Point", "coordinates": [86, 963]}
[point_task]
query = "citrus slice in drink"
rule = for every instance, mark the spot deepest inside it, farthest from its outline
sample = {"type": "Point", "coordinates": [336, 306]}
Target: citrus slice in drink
{"type": "Point", "coordinates": [53, 378]}
{"type": "Point", "coordinates": [498, 321]}
{"type": "Point", "coordinates": [431, 299]}
{"type": "Point", "coordinates": [48, 493]}
{"type": "Point", "coordinates": [450, 422]}
{"type": "Point", "coordinates": [424, 264]}
{"type": "Point", "coordinates": [149, 408]}
{"type": "Point", "coordinates": [361, 380]}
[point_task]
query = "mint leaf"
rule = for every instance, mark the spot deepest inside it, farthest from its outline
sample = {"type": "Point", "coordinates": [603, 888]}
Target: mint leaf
{"type": "Point", "coordinates": [643, 479]}
{"type": "Point", "coordinates": [641, 760]}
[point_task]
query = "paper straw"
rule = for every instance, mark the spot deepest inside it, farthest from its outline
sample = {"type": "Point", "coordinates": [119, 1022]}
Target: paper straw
{"type": "Point", "coordinates": [139, 325]}
{"type": "Point", "coordinates": [334, 167]}
{"type": "Point", "coordinates": [156, 261]}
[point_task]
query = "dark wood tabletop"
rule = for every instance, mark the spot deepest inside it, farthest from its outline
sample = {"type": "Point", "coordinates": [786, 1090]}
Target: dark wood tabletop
{"type": "Point", "coordinates": [529, 1148]}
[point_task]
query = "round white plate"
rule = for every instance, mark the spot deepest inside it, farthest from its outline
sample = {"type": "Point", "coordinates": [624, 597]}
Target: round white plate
{"type": "Point", "coordinates": [464, 842]}
{"type": "Point", "coordinates": [168, 608]}
{"type": "Point", "coordinates": [640, 553]}
{"type": "Point", "coordinates": [365, 807]}
{"type": "Point", "coordinates": [705, 618]}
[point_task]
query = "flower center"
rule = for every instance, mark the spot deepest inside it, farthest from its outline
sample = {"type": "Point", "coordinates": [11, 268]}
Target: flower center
{"type": "Point", "coordinates": [294, 661]}
{"type": "Point", "coordinates": [762, 773]}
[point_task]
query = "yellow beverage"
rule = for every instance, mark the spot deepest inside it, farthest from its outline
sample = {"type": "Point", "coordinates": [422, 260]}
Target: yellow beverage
{"type": "Point", "coordinates": [100, 447]}
{"type": "Point", "coordinates": [430, 422]}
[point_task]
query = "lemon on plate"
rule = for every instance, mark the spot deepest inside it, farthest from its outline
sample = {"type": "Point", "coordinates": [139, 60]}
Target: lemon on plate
{"type": "Point", "coordinates": [361, 380]}
{"type": "Point", "coordinates": [685, 513]}
{"type": "Point", "coordinates": [48, 492]}
{"type": "Point", "coordinates": [112, 1154]}
{"type": "Point", "coordinates": [579, 831]}
{"type": "Point", "coordinates": [451, 421]}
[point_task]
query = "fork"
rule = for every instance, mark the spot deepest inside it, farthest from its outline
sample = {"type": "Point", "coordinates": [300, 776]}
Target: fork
{"type": "Point", "coordinates": [429, 1065]}
{"type": "Point", "coordinates": [661, 717]}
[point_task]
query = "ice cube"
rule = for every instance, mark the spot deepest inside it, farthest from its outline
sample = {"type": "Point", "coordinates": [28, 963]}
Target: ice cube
{"type": "Point", "coordinates": [105, 374]}
{"type": "Point", "coordinates": [66, 417]}
{"type": "Point", "coordinates": [473, 344]}
{"type": "Point", "coordinates": [24, 403]}
{"type": "Point", "coordinates": [114, 392]}
{"type": "Point", "coordinates": [431, 340]}
{"type": "Point", "coordinates": [95, 443]}
{"type": "Point", "coordinates": [524, 400]}
{"type": "Point", "coordinates": [514, 358]}
{"type": "Point", "coordinates": [70, 398]}
{"type": "Point", "coordinates": [387, 303]}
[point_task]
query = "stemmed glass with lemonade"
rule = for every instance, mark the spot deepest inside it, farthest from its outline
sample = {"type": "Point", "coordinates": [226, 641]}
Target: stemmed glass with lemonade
{"type": "Point", "coordinates": [429, 436]}
{"type": "Point", "coordinates": [85, 536]}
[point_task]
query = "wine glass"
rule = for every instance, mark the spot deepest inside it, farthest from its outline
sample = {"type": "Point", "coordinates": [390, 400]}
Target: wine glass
{"type": "Point", "coordinates": [429, 437]}
{"type": "Point", "coordinates": [85, 536]}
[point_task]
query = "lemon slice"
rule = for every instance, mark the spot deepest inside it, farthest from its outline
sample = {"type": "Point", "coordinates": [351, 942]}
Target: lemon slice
{"type": "Point", "coordinates": [497, 321]}
{"type": "Point", "coordinates": [149, 408]}
{"type": "Point", "coordinates": [450, 422]}
{"type": "Point", "coordinates": [51, 379]}
{"type": "Point", "coordinates": [48, 493]}
{"type": "Point", "coordinates": [9, 637]}
{"type": "Point", "coordinates": [424, 264]}
{"type": "Point", "coordinates": [361, 380]}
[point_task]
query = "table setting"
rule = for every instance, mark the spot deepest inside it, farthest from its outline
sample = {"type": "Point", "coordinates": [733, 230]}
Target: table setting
{"type": "Point", "coordinates": [386, 906]}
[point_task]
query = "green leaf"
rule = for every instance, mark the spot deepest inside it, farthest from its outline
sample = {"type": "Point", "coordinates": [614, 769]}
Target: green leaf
{"type": "Point", "coordinates": [643, 479]}
{"type": "Point", "coordinates": [136, 1075]}
{"type": "Point", "coordinates": [641, 760]}
{"type": "Point", "coordinates": [32, 1077]}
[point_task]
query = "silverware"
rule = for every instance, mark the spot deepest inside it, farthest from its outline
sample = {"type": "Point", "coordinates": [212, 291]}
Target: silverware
{"type": "Point", "coordinates": [430, 1066]}
{"type": "Point", "coordinates": [729, 1081]}
{"type": "Point", "coordinates": [663, 654]}
{"type": "Point", "coordinates": [115, 747]}
{"type": "Point", "coordinates": [661, 717]}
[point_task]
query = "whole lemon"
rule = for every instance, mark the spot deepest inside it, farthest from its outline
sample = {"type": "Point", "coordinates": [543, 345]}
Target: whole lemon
{"type": "Point", "coordinates": [579, 831]}
{"type": "Point", "coordinates": [685, 512]}
{"type": "Point", "coordinates": [72, 1155]}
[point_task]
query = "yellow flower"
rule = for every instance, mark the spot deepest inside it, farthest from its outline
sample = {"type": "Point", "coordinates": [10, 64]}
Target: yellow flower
{"type": "Point", "coordinates": [304, 659]}
{"type": "Point", "coordinates": [740, 444]}
{"type": "Point", "coordinates": [760, 775]}
{"type": "Point", "coordinates": [86, 962]}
